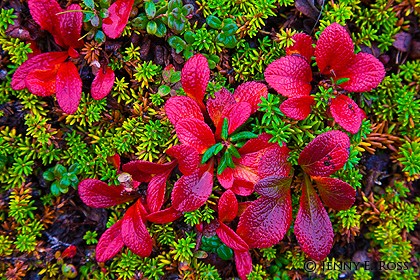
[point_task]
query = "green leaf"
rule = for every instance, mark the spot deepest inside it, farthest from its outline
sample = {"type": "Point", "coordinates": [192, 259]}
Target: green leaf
{"type": "Point", "coordinates": [229, 28]}
{"type": "Point", "coordinates": [161, 29]}
{"type": "Point", "coordinates": [150, 9]}
{"type": "Point", "coordinates": [55, 189]}
{"type": "Point", "coordinates": [224, 252]}
{"type": "Point", "coordinates": [244, 135]}
{"type": "Point", "coordinates": [88, 16]}
{"type": "Point", "coordinates": [223, 163]}
{"type": "Point", "coordinates": [100, 36]}
{"type": "Point", "coordinates": [211, 152]}
{"type": "Point", "coordinates": [227, 41]}
{"type": "Point", "coordinates": [189, 37]}
{"type": "Point", "coordinates": [90, 4]}
{"type": "Point", "coordinates": [177, 43]}
{"type": "Point", "coordinates": [225, 127]}
{"type": "Point", "coordinates": [342, 80]}
{"type": "Point", "coordinates": [74, 168]}
{"type": "Point", "coordinates": [164, 90]}
{"type": "Point", "coordinates": [59, 170]}
{"type": "Point", "coordinates": [175, 77]}
{"type": "Point", "coordinates": [214, 22]}
{"type": "Point", "coordinates": [151, 27]}
{"type": "Point", "coordinates": [104, 13]}
{"type": "Point", "coordinates": [233, 151]}
{"type": "Point", "coordinates": [64, 182]}
{"type": "Point", "coordinates": [49, 175]}
{"type": "Point", "coordinates": [140, 22]}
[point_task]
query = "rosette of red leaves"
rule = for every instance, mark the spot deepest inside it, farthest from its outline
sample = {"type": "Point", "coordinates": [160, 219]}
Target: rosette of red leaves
{"type": "Point", "coordinates": [55, 72]}
{"type": "Point", "coordinates": [266, 221]}
{"type": "Point", "coordinates": [291, 75]}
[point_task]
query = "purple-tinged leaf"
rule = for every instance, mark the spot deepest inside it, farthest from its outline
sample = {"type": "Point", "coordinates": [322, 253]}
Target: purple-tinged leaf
{"type": "Point", "coordinates": [335, 193]}
{"type": "Point", "coordinates": [110, 243]}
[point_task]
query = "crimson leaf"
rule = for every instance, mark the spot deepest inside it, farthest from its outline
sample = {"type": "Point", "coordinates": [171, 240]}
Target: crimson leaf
{"type": "Point", "coordinates": [251, 92]}
{"type": "Point", "coordinates": [302, 46]}
{"type": "Point", "coordinates": [102, 83]}
{"type": "Point", "coordinates": [195, 133]}
{"type": "Point", "coordinates": [68, 87]}
{"type": "Point", "coordinates": [230, 238]}
{"type": "Point", "coordinates": [346, 113]}
{"type": "Point", "coordinates": [297, 108]}
{"type": "Point", "coordinates": [156, 191]}
{"type": "Point", "coordinates": [110, 243]}
{"type": "Point", "coordinates": [119, 11]}
{"type": "Point", "coordinates": [164, 216]}
{"type": "Point", "coordinates": [182, 107]}
{"type": "Point", "coordinates": [335, 193]}
{"type": "Point", "coordinates": [227, 206]}
{"type": "Point", "coordinates": [71, 26]}
{"type": "Point", "coordinates": [195, 76]}
{"type": "Point", "coordinates": [243, 262]}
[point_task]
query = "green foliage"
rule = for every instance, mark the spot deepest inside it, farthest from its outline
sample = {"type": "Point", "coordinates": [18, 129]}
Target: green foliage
{"type": "Point", "coordinates": [348, 218]}
{"type": "Point", "coordinates": [90, 237]}
{"type": "Point", "coordinates": [88, 112]}
{"type": "Point", "coordinates": [163, 233]}
{"type": "Point", "coordinates": [5, 245]}
{"type": "Point", "coordinates": [62, 178]}
{"type": "Point", "coordinates": [94, 12]}
{"type": "Point", "coordinates": [269, 253]}
{"type": "Point", "coordinates": [6, 18]}
{"type": "Point", "coordinates": [410, 158]}
{"type": "Point", "coordinates": [21, 206]}
{"type": "Point", "coordinates": [257, 273]}
{"type": "Point", "coordinates": [145, 72]}
{"type": "Point", "coordinates": [183, 249]}
{"type": "Point", "coordinates": [152, 268]}
{"type": "Point", "coordinates": [362, 274]}
{"type": "Point", "coordinates": [214, 245]}
{"type": "Point", "coordinates": [17, 49]}
{"type": "Point", "coordinates": [127, 265]}
{"type": "Point", "coordinates": [206, 272]}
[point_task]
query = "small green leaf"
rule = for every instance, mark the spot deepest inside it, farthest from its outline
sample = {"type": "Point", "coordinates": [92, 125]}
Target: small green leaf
{"type": "Point", "coordinates": [90, 4]}
{"type": "Point", "coordinates": [164, 90]}
{"type": "Point", "coordinates": [59, 170]}
{"type": "Point", "coordinates": [54, 189]}
{"type": "Point", "coordinates": [150, 9]}
{"type": "Point", "coordinates": [65, 182]}
{"type": "Point", "coordinates": [48, 175]}
{"type": "Point", "coordinates": [225, 129]}
{"type": "Point", "coordinates": [175, 77]}
{"type": "Point", "coordinates": [140, 22]}
{"type": "Point", "coordinates": [223, 163]}
{"type": "Point", "coordinates": [177, 43]}
{"type": "Point", "coordinates": [74, 168]}
{"type": "Point", "coordinates": [214, 22]}
{"type": "Point", "coordinates": [100, 36]}
{"type": "Point", "coordinates": [189, 37]}
{"type": "Point", "coordinates": [229, 159]}
{"type": "Point", "coordinates": [88, 16]}
{"type": "Point", "coordinates": [244, 135]}
{"type": "Point", "coordinates": [233, 151]}
{"type": "Point", "coordinates": [161, 29]}
{"type": "Point", "coordinates": [104, 13]}
{"type": "Point", "coordinates": [224, 252]}
{"type": "Point", "coordinates": [210, 152]}
{"type": "Point", "coordinates": [151, 27]}
{"type": "Point", "coordinates": [342, 80]}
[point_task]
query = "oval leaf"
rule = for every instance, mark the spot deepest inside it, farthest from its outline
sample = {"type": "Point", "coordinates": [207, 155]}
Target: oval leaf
{"type": "Point", "coordinates": [142, 170]}
{"type": "Point", "coordinates": [227, 206]}
{"type": "Point", "coordinates": [251, 92]}
{"type": "Point", "coordinates": [164, 216]}
{"type": "Point", "coordinates": [325, 154]}
{"type": "Point", "coordinates": [102, 83]}
{"type": "Point", "coordinates": [297, 108]}
{"type": "Point", "coordinates": [273, 186]}
{"type": "Point", "coordinates": [188, 158]}
{"type": "Point", "coordinates": [71, 26]}
{"type": "Point", "coordinates": [290, 76]}
{"type": "Point", "coordinates": [110, 243]}
{"type": "Point", "coordinates": [195, 133]}
{"type": "Point", "coordinates": [119, 12]}
{"type": "Point", "coordinates": [182, 107]}
{"type": "Point", "coordinates": [302, 46]}
{"type": "Point", "coordinates": [68, 87]}
{"type": "Point", "coordinates": [230, 238]}
{"type": "Point", "coordinates": [335, 193]}
{"type": "Point", "coordinates": [243, 262]}
{"type": "Point", "coordinates": [156, 191]}
{"type": "Point", "coordinates": [346, 113]}
{"type": "Point", "coordinates": [195, 76]}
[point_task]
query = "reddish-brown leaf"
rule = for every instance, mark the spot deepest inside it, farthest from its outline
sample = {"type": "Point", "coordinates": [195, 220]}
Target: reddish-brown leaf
{"type": "Point", "coordinates": [156, 191]}
{"type": "Point", "coordinates": [313, 227]}
{"type": "Point", "coordinates": [41, 62]}
{"type": "Point", "coordinates": [251, 92]}
{"type": "Point", "coordinates": [227, 206]}
{"type": "Point", "coordinates": [142, 171]}
{"type": "Point", "coordinates": [195, 133]}
{"type": "Point", "coordinates": [102, 83]}
{"type": "Point", "coordinates": [97, 194]}
{"type": "Point", "coordinates": [182, 107]}
{"type": "Point", "coordinates": [134, 232]}
{"type": "Point", "coordinates": [195, 76]}
{"type": "Point", "coordinates": [243, 262]}
{"type": "Point", "coordinates": [365, 72]}
{"type": "Point", "coordinates": [119, 12]}
{"type": "Point", "coordinates": [325, 154]}
{"type": "Point", "coordinates": [334, 50]}
{"type": "Point", "coordinates": [110, 243]}
{"type": "Point", "coordinates": [165, 216]}
{"type": "Point", "coordinates": [297, 108]}
{"type": "Point", "coordinates": [273, 161]}
{"type": "Point", "coordinates": [216, 105]}
{"type": "Point", "coordinates": [71, 26]}
{"type": "Point", "coordinates": [346, 113]}
{"type": "Point", "coordinates": [42, 82]}
{"type": "Point", "coordinates": [230, 238]}
{"type": "Point", "coordinates": [290, 76]}
{"type": "Point", "coordinates": [335, 193]}
{"type": "Point", "coordinates": [302, 46]}
{"type": "Point", "coordinates": [44, 12]}
{"type": "Point", "coordinates": [188, 158]}
{"type": "Point", "coordinates": [191, 192]}
{"type": "Point", "coordinates": [68, 87]}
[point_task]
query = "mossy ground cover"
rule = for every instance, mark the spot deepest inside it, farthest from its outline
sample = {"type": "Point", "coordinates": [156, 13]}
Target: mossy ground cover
{"type": "Point", "coordinates": [48, 233]}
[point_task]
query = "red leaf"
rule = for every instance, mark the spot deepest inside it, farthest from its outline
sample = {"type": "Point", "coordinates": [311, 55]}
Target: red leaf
{"type": "Point", "coordinates": [243, 262]}
{"type": "Point", "coordinates": [334, 50]}
{"type": "Point", "coordinates": [290, 76]}
{"type": "Point", "coordinates": [142, 171]}
{"type": "Point", "coordinates": [71, 26]}
{"type": "Point", "coordinates": [195, 76]}
{"type": "Point", "coordinates": [41, 62]}
{"type": "Point", "coordinates": [156, 191]}
{"type": "Point", "coordinates": [313, 227]}
{"type": "Point", "coordinates": [195, 133]}
{"type": "Point", "coordinates": [346, 113]}
{"type": "Point", "coordinates": [297, 108]}
{"type": "Point", "coordinates": [97, 194]}
{"type": "Point", "coordinates": [226, 178]}
{"type": "Point", "coordinates": [42, 82]}
{"type": "Point", "coordinates": [274, 161]}
{"type": "Point", "coordinates": [188, 158]}
{"type": "Point", "coordinates": [102, 84]}
{"type": "Point", "coordinates": [115, 160]}
{"type": "Point", "coordinates": [182, 107]}
{"type": "Point", "coordinates": [119, 12]}
{"type": "Point", "coordinates": [164, 216]}
{"type": "Point", "coordinates": [366, 72]}
{"type": "Point", "coordinates": [230, 238]}
{"type": "Point", "coordinates": [256, 144]}
{"type": "Point", "coordinates": [244, 187]}
{"type": "Point", "coordinates": [191, 192]}
{"type": "Point", "coordinates": [216, 105]}
{"type": "Point", "coordinates": [251, 92]}
{"type": "Point", "coordinates": [237, 114]}
{"type": "Point", "coordinates": [227, 206]}
{"type": "Point", "coordinates": [44, 12]}
{"type": "Point", "coordinates": [266, 221]}
{"type": "Point", "coordinates": [68, 87]}
{"type": "Point", "coordinates": [110, 243]}
{"type": "Point", "coordinates": [302, 46]}
{"type": "Point", "coordinates": [325, 154]}
{"type": "Point", "coordinates": [134, 232]}
{"type": "Point", "coordinates": [273, 186]}
{"type": "Point", "coordinates": [335, 193]}
{"type": "Point", "coordinates": [69, 252]}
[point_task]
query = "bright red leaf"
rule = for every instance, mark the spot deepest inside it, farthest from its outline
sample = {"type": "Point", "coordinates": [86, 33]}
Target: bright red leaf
{"type": "Point", "coordinates": [346, 113]}
{"type": "Point", "coordinates": [325, 154]}
{"type": "Point", "coordinates": [290, 76]}
{"type": "Point", "coordinates": [273, 161]}
{"type": "Point", "coordinates": [143, 171]}
{"type": "Point", "coordinates": [230, 238]}
{"type": "Point", "coordinates": [302, 46]}
{"type": "Point", "coordinates": [191, 192]}
{"type": "Point", "coordinates": [134, 232]}
{"type": "Point", "coordinates": [110, 243]}
{"type": "Point", "coordinates": [68, 87]}
{"type": "Point", "coordinates": [243, 262]}
{"type": "Point", "coordinates": [71, 26]}
{"type": "Point", "coordinates": [102, 83]}
{"type": "Point", "coordinates": [165, 216]}
{"type": "Point", "coordinates": [42, 82]}
{"type": "Point", "coordinates": [216, 105]}
{"type": "Point", "coordinates": [273, 186]}
{"type": "Point", "coordinates": [119, 12]}
{"type": "Point", "coordinates": [188, 158]}
{"type": "Point", "coordinates": [227, 206]}
{"type": "Point", "coordinates": [297, 108]}
{"type": "Point", "coordinates": [156, 191]}
{"type": "Point", "coordinates": [182, 107]}
{"type": "Point", "coordinates": [251, 92]}
{"type": "Point", "coordinates": [97, 194]}
{"type": "Point", "coordinates": [334, 50]}
{"type": "Point", "coordinates": [335, 193]}
{"type": "Point", "coordinates": [366, 72]}
{"type": "Point", "coordinates": [237, 114]}
{"type": "Point", "coordinates": [195, 76]}
{"type": "Point", "coordinates": [313, 227]}
{"type": "Point", "coordinates": [195, 133]}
